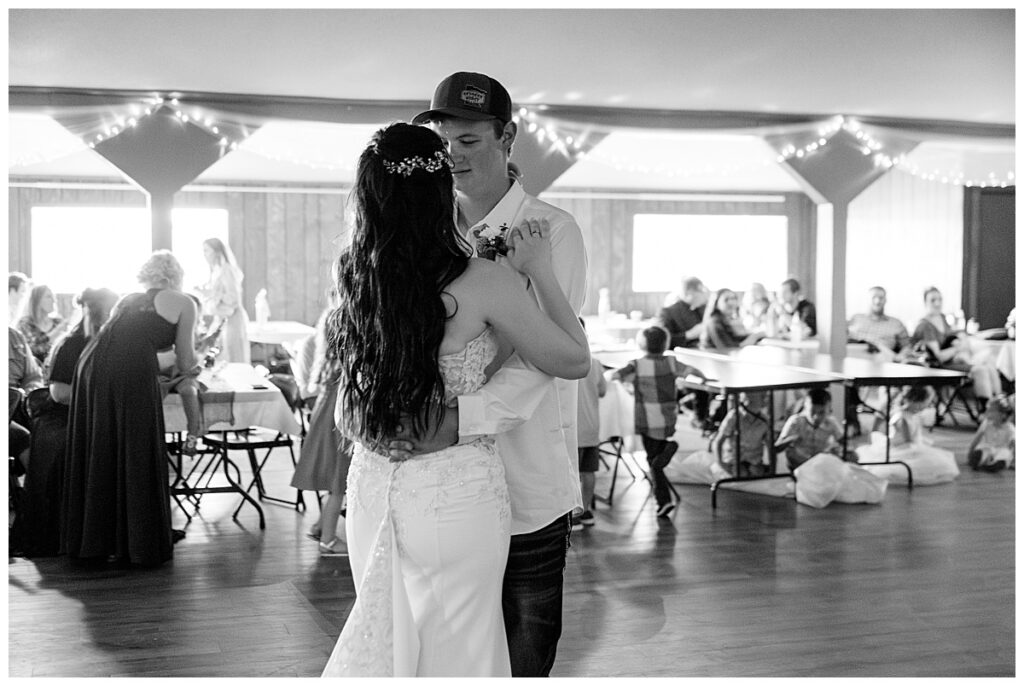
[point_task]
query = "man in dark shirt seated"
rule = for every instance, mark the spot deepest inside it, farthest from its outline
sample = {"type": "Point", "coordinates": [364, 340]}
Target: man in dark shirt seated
{"type": "Point", "coordinates": [684, 322]}
{"type": "Point", "coordinates": [683, 319]}
{"type": "Point", "coordinates": [793, 301]}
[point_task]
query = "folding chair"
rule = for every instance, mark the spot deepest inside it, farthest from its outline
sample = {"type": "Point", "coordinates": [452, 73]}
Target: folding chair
{"type": "Point", "coordinates": [257, 438]}
{"type": "Point", "coordinates": [612, 447]}
{"type": "Point", "coordinates": [944, 406]}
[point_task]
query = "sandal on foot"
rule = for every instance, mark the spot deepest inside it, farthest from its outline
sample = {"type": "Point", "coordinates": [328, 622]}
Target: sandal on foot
{"type": "Point", "coordinates": [314, 534]}
{"type": "Point", "coordinates": [333, 548]}
{"type": "Point", "coordinates": [189, 446]}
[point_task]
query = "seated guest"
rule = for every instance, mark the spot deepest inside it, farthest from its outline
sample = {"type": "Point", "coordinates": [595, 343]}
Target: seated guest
{"type": "Point", "coordinates": [684, 319]}
{"type": "Point", "coordinates": [876, 328]}
{"type": "Point", "coordinates": [41, 325]}
{"type": "Point", "coordinates": [17, 291]}
{"type": "Point", "coordinates": [795, 305]}
{"type": "Point", "coordinates": [23, 372]}
{"type": "Point", "coordinates": [812, 431]}
{"type": "Point", "coordinates": [752, 298]}
{"type": "Point", "coordinates": [950, 349]}
{"type": "Point", "coordinates": [759, 316]}
{"type": "Point", "coordinates": [752, 425]}
{"type": "Point", "coordinates": [723, 330]}
{"type": "Point", "coordinates": [40, 532]}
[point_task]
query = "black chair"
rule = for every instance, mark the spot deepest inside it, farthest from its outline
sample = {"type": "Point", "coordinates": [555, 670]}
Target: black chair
{"type": "Point", "coordinates": [947, 397]}
{"type": "Point", "coordinates": [257, 438]}
{"type": "Point", "coordinates": [612, 447]}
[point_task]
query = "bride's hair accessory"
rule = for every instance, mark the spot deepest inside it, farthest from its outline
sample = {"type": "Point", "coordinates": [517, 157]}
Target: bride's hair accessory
{"type": "Point", "coordinates": [407, 165]}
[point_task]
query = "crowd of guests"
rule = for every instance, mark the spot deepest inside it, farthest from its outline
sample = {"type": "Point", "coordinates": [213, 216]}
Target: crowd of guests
{"type": "Point", "coordinates": [86, 420]}
{"type": "Point", "coordinates": [718, 321]}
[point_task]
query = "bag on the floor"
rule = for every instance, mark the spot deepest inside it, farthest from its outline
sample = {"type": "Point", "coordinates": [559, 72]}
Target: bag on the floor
{"type": "Point", "coordinates": [695, 469]}
{"type": "Point", "coordinates": [819, 479]}
{"type": "Point", "coordinates": [861, 486]}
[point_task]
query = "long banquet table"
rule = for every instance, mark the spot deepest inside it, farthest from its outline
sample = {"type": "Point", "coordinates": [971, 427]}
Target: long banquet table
{"type": "Point", "coordinates": [855, 373]}
{"type": "Point", "coordinates": [731, 377]}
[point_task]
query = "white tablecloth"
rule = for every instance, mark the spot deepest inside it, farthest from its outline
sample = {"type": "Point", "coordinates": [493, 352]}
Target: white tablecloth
{"type": "Point", "coordinates": [264, 407]}
{"type": "Point", "coordinates": [1002, 353]}
{"type": "Point", "coordinates": [280, 332]}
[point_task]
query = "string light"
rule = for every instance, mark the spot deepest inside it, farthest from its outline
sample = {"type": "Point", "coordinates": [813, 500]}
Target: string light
{"type": "Point", "coordinates": [152, 106]}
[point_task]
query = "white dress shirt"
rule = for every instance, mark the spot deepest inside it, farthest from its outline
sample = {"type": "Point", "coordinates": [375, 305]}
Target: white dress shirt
{"type": "Point", "coordinates": [532, 414]}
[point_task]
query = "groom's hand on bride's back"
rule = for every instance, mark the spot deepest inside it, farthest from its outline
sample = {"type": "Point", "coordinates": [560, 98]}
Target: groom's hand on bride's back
{"type": "Point", "coordinates": [437, 436]}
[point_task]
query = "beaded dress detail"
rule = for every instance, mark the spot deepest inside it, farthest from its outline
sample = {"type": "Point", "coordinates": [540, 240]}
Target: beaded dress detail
{"type": "Point", "coordinates": [428, 540]}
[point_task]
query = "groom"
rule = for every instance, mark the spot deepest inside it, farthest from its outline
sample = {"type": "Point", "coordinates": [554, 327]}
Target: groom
{"type": "Point", "coordinates": [532, 414]}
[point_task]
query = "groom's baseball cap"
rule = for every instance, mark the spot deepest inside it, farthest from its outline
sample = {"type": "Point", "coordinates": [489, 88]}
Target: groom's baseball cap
{"type": "Point", "coordinates": [468, 95]}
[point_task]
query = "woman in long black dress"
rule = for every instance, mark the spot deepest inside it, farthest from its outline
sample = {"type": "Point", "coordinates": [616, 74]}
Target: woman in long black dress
{"type": "Point", "coordinates": [48, 408]}
{"type": "Point", "coordinates": [116, 500]}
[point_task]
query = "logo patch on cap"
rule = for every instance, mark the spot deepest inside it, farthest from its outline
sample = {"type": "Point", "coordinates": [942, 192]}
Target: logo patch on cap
{"type": "Point", "coordinates": [473, 96]}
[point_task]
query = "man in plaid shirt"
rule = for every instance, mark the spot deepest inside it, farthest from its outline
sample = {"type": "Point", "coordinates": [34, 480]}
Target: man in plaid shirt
{"type": "Point", "coordinates": [654, 391]}
{"type": "Point", "coordinates": [876, 328]}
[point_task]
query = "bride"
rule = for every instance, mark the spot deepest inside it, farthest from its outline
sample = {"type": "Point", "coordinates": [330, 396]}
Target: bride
{"type": "Point", "coordinates": [421, 322]}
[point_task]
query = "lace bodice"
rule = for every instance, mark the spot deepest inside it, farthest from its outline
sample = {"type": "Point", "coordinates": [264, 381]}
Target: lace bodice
{"type": "Point", "coordinates": [463, 371]}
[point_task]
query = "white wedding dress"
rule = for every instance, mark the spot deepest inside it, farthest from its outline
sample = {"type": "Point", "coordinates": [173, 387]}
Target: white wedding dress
{"type": "Point", "coordinates": [428, 539]}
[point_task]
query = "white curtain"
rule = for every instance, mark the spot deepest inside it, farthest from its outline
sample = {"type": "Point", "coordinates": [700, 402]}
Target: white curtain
{"type": "Point", "coordinates": [905, 234]}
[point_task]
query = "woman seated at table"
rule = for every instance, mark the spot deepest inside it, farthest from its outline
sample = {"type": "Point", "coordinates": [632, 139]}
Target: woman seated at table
{"type": "Point", "coordinates": [42, 326]}
{"type": "Point", "coordinates": [950, 349]}
{"type": "Point", "coordinates": [723, 330]}
{"type": "Point", "coordinates": [40, 534]}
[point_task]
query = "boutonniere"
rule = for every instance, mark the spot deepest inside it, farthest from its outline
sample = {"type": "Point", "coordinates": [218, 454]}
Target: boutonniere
{"type": "Point", "coordinates": [490, 241]}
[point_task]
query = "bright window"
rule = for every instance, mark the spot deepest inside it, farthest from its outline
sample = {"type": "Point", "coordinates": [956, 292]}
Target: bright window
{"type": "Point", "coordinates": [723, 251]}
{"type": "Point", "coordinates": [78, 247]}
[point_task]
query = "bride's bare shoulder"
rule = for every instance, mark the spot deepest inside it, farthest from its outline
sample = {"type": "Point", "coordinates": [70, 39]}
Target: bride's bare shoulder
{"type": "Point", "coordinates": [485, 273]}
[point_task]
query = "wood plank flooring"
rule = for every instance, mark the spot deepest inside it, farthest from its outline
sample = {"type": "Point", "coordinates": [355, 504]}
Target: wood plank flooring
{"type": "Point", "coordinates": [920, 585]}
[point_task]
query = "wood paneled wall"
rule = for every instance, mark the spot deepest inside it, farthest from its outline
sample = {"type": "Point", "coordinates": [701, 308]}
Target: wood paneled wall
{"type": "Point", "coordinates": [286, 241]}
{"type": "Point", "coordinates": [607, 226]}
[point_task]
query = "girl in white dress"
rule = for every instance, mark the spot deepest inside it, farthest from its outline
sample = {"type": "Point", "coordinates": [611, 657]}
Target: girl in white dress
{"type": "Point", "coordinates": [421, 322]}
{"type": "Point", "coordinates": [908, 444]}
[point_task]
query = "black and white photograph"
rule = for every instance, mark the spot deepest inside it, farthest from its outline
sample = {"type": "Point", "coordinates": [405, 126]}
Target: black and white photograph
{"type": "Point", "coordinates": [586, 341]}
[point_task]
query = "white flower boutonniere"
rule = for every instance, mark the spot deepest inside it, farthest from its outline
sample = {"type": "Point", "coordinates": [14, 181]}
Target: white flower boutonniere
{"type": "Point", "coordinates": [490, 241]}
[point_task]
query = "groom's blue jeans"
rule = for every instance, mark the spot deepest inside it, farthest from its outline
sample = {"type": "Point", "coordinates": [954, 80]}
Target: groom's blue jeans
{"type": "Point", "coordinates": [531, 597]}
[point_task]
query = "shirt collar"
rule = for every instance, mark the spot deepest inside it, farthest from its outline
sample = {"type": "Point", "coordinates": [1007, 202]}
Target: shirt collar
{"type": "Point", "coordinates": [506, 209]}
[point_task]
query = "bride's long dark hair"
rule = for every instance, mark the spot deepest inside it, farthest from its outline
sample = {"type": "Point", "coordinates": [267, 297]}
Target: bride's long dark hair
{"type": "Point", "coordinates": [405, 251]}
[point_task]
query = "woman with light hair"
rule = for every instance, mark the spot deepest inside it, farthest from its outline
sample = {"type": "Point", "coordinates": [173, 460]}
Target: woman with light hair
{"type": "Point", "coordinates": [116, 500]}
{"type": "Point", "coordinates": [222, 300]}
{"type": "Point", "coordinates": [42, 326]}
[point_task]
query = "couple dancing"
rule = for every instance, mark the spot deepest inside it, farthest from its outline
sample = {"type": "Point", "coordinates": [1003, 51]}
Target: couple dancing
{"type": "Point", "coordinates": [458, 391]}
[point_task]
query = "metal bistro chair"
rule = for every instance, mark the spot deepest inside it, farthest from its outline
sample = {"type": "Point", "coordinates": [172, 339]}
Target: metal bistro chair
{"type": "Point", "coordinates": [257, 438]}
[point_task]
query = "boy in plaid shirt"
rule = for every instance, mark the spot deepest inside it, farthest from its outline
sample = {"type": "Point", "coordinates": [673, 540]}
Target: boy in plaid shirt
{"type": "Point", "coordinates": [654, 378]}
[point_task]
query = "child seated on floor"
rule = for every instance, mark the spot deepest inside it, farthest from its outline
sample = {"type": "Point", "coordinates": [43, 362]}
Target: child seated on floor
{"type": "Point", "coordinates": [908, 444]}
{"type": "Point", "coordinates": [654, 378]}
{"type": "Point", "coordinates": [753, 430]}
{"type": "Point", "coordinates": [812, 431]}
{"type": "Point", "coordinates": [994, 444]}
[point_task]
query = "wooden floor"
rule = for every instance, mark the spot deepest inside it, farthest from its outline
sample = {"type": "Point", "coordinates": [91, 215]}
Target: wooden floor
{"type": "Point", "coordinates": [921, 585]}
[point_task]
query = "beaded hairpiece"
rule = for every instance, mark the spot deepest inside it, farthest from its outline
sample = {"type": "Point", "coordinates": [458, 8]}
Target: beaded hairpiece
{"type": "Point", "coordinates": [407, 165]}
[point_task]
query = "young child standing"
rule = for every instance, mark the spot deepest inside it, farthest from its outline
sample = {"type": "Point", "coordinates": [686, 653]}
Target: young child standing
{"type": "Point", "coordinates": [812, 431]}
{"type": "Point", "coordinates": [655, 410]}
{"type": "Point", "coordinates": [588, 425]}
{"type": "Point", "coordinates": [994, 444]}
{"type": "Point", "coordinates": [753, 428]}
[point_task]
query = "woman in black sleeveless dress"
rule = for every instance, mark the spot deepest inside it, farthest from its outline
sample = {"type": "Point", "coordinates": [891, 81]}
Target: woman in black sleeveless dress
{"type": "Point", "coordinates": [116, 500]}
